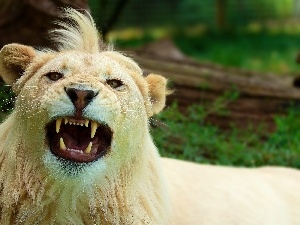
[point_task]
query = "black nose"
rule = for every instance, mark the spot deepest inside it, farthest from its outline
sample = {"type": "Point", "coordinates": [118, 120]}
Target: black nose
{"type": "Point", "coordinates": [80, 98]}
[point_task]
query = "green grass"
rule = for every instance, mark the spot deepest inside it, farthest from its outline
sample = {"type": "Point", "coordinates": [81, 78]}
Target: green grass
{"type": "Point", "coordinates": [190, 138]}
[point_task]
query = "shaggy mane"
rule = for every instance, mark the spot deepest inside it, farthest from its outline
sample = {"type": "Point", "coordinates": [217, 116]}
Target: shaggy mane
{"type": "Point", "coordinates": [77, 32]}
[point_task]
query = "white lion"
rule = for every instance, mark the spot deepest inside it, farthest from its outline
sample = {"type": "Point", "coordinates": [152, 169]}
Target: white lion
{"type": "Point", "coordinates": [77, 149]}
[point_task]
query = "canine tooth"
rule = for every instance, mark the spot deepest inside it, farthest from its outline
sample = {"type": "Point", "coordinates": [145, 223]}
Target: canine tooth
{"type": "Point", "coordinates": [93, 128]}
{"type": "Point", "coordinates": [62, 145]}
{"type": "Point", "coordinates": [66, 120]}
{"type": "Point", "coordinates": [88, 148]}
{"type": "Point", "coordinates": [58, 123]}
{"type": "Point", "coordinates": [86, 123]}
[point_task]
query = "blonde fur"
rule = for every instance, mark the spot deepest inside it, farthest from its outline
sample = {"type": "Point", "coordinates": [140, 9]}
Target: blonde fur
{"type": "Point", "coordinates": [78, 33]}
{"type": "Point", "coordinates": [131, 184]}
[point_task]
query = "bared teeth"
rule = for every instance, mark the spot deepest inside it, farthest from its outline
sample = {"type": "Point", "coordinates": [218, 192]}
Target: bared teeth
{"type": "Point", "coordinates": [94, 127]}
{"type": "Point", "coordinates": [58, 123]}
{"type": "Point", "coordinates": [88, 148]}
{"type": "Point", "coordinates": [62, 145]}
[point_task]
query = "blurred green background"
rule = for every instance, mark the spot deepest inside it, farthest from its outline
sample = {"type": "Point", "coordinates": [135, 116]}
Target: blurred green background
{"type": "Point", "coordinates": [259, 35]}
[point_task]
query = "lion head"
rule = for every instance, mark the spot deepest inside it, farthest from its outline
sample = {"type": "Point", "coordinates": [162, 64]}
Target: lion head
{"type": "Point", "coordinates": [79, 128]}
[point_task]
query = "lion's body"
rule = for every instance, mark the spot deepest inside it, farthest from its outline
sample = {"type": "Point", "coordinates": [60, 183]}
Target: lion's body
{"type": "Point", "coordinates": [77, 148]}
{"type": "Point", "coordinates": [216, 195]}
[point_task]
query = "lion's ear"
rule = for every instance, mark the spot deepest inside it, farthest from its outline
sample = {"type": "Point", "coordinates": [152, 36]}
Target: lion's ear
{"type": "Point", "coordinates": [157, 86]}
{"type": "Point", "coordinates": [14, 58]}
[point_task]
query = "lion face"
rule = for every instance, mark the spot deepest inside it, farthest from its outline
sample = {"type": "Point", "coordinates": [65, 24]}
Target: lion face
{"type": "Point", "coordinates": [86, 106]}
{"type": "Point", "coordinates": [82, 109]}
{"type": "Point", "coordinates": [91, 105]}
{"type": "Point", "coordinates": [87, 99]}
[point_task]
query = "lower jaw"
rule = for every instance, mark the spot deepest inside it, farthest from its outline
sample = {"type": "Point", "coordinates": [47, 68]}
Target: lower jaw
{"type": "Point", "coordinates": [78, 156]}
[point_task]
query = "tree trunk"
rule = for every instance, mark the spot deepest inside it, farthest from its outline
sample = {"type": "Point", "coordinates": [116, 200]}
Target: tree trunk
{"type": "Point", "coordinates": [221, 14]}
{"type": "Point", "coordinates": [114, 17]}
{"type": "Point", "coordinates": [260, 96]}
{"type": "Point", "coordinates": [28, 21]}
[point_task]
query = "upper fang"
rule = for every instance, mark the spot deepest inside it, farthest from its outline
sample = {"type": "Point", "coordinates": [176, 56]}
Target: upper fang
{"type": "Point", "coordinates": [94, 127]}
{"type": "Point", "coordinates": [58, 123]}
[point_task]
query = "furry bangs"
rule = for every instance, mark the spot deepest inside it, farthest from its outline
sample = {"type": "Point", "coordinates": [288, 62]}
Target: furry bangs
{"type": "Point", "coordinates": [77, 32]}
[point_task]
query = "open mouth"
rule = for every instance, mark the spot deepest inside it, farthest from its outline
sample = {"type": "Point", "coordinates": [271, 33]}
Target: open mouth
{"type": "Point", "coordinates": [78, 140]}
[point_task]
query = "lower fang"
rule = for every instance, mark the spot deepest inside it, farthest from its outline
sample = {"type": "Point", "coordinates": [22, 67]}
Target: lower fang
{"type": "Point", "coordinates": [88, 148]}
{"type": "Point", "coordinates": [62, 145]}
